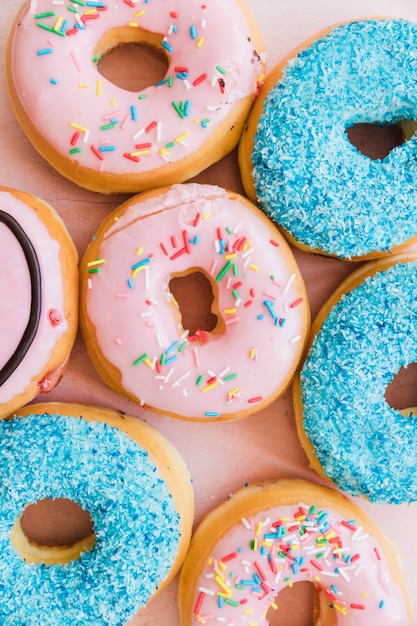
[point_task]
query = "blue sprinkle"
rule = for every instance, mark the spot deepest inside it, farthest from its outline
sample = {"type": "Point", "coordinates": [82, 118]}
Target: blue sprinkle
{"type": "Point", "coordinates": [166, 45]}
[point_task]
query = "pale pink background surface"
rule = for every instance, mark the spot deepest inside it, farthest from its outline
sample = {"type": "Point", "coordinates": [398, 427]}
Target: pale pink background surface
{"type": "Point", "coordinates": [221, 457]}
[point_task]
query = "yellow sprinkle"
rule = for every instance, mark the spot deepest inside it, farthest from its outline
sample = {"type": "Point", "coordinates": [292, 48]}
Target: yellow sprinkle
{"type": "Point", "coordinates": [233, 392]}
{"type": "Point", "coordinates": [210, 561]}
{"type": "Point", "coordinates": [365, 593]}
{"type": "Point", "coordinates": [163, 151]}
{"type": "Point", "coordinates": [208, 387]}
{"type": "Point", "coordinates": [138, 269]}
{"type": "Point", "coordinates": [316, 578]}
{"type": "Point", "coordinates": [140, 152]}
{"type": "Point", "coordinates": [83, 85]}
{"type": "Point", "coordinates": [200, 42]}
{"type": "Point", "coordinates": [258, 529]}
{"type": "Point", "coordinates": [252, 354]}
{"type": "Point", "coordinates": [223, 586]}
{"type": "Point", "coordinates": [254, 267]}
{"type": "Point", "coordinates": [92, 11]}
{"type": "Point", "coordinates": [255, 545]}
{"type": "Point", "coordinates": [181, 137]}
{"type": "Point", "coordinates": [196, 120]}
{"type": "Point", "coordinates": [113, 102]}
{"type": "Point", "coordinates": [290, 584]}
{"type": "Point", "coordinates": [207, 216]}
{"type": "Point", "coordinates": [96, 262]}
{"type": "Point", "coordinates": [139, 250]}
{"type": "Point", "coordinates": [248, 611]}
{"type": "Point", "coordinates": [339, 608]}
{"type": "Point", "coordinates": [218, 572]}
{"type": "Point", "coordinates": [78, 127]}
{"type": "Point", "coordinates": [232, 255]}
{"type": "Point", "coordinates": [98, 87]}
{"type": "Point", "coordinates": [139, 13]}
{"type": "Point", "coordinates": [273, 605]}
{"type": "Point", "coordinates": [134, 24]}
{"type": "Point", "coordinates": [58, 23]}
{"type": "Point", "coordinates": [229, 311]}
{"type": "Point", "coordinates": [267, 544]}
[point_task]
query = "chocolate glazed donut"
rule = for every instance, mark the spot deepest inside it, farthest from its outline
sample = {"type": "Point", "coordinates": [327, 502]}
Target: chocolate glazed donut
{"type": "Point", "coordinates": [36, 297]}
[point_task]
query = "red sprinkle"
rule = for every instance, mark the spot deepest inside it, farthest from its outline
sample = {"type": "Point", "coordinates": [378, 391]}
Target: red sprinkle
{"type": "Point", "coordinates": [186, 242]}
{"type": "Point", "coordinates": [72, 31]}
{"type": "Point", "coordinates": [316, 565]}
{"type": "Point", "coordinates": [355, 557]}
{"type": "Point", "coordinates": [150, 126]}
{"type": "Point", "coordinates": [260, 570]}
{"type": "Point", "coordinates": [274, 243]}
{"type": "Point", "coordinates": [347, 525]}
{"type": "Point", "coordinates": [75, 137]}
{"type": "Point", "coordinates": [174, 241]}
{"type": "Point", "coordinates": [129, 3]}
{"type": "Point", "coordinates": [199, 80]}
{"type": "Point", "coordinates": [248, 303]}
{"type": "Point", "coordinates": [358, 606]}
{"type": "Point", "coordinates": [229, 557]}
{"type": "Point", "coordinates": [199, 602]}
{"type": "Point", "coordinates": [142, 146]}
{"type": "Point", "coordinates": [180, 69]}
{"type": "Point", "coordinates": [163, 248]}
{"type": "Point", "coordinates": [273, 566]}
{"type": "Point", "coordinates": [295, 303]}
{"type": "Point", "coordinates": [255, 399]}
{"type": "Point", "coordinates": [221, 84]}
{"type": "Point", "coordinates": [174, 14]}
{"type": "Point", "coordinates": [55, 317]}
{"type": "Point", "coordinates": [196, 219]}
{"type": "Point", "coordinates": [97, 153]}
{"type": "Point", "coordinates": [378, 556]}
{"type": "Point", "coordinates": [243, 601]}
{"type": "Point", "coordinates": [131, 157]}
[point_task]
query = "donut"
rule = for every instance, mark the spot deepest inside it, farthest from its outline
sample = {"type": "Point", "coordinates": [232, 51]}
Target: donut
{"type": "Point", "coordinates": [359, 341]}
{"type": "Point", "coordinates": [109, 139]}
{"type": "Point", "coordinates": [38, 298]}
{"type": "Point", "coordinates": [137, 490]}
{"type": "Point", "coordinates": [133, 323]}
{"type": "Point", "coordinates": [272, 535]}
{"type": "Point", "coordinates": [296, 157]}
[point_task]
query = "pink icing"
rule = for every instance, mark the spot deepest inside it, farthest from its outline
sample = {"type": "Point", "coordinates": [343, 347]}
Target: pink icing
{"type": "Point", "coordinates": [15, 293]}
{"type": "Point", "coordinates": [255, 560]}
{"type": "Point", "coordinates": [137, 331]}
{"type": "Point", "coordinates": [65, 96]}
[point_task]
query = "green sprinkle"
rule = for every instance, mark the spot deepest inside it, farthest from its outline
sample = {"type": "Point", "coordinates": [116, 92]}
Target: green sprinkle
{"type": "Point", "coordinates": [220, 69]}
{"type": "Point", "coordinates": [162, 359]}
{"type": "Point", "coordinates": [73, 9]}
{"type": "Point", "coordinates": [313, 507]}
{"type": "Point", "coordinates": [94, 270]}
{"type": "Point", "coordinates": [80, 2]}
{"type": "Point", "coordinates": [75, 150]}
{"type": "Point", "coordinates": [142, 96]}
{"type": "Point", "coordinates": [107, 126]}
{"type": "Point", "coordinates": [199, 380]}
{"type": "Point", "coordinates": [40, 16]}
{"type": "Point", "coordinates": [224, 270]}
{"type": "Point", "coordinates": [231, 602]}
{"type": "Point", "coordinates": [230, 377]}
{"type": "Point", "coordinates": [252, 544]}
{"type": "Point", "coordinates": [229, 230]}
{"type": "Point", "coordinates": [50, 29]}
{"type": "Point", "coordinates": [182, 346]}
{"type": "Point", "coordinates": [170, 81]}
{"type": "Point", "coordinates": [178, 110]}
{"type": "Point", "coordinates": [171, 144]}
{"type": "Point", "coordinates": [140, 359]}
{"type": "Point", "coordinates": [235, 294]}
{"type": "Point", "coordinates": [239, 586]}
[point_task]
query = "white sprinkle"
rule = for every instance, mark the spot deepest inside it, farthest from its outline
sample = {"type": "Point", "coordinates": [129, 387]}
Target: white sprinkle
{"type": "Point", "coordinates": [186, 84]}
{"type": "Point", "coordinates": [89, 283]}
{"type": "Point", "coordinates": [147, 314]}
{"type": "Point", "coordinates": [332, 574]}
{"type": "Point", "coordinates": [138, 133]}
{"type": "Point", "coordinates": [246, 525]}
{"type": "Point", "coordinates": [343, 574]}
{"type": "Point", "coordinates": [158, 131]}
{"type": "Point", "coordinates": [158, 339]}
{"type": "Point", "coordinates": [289, 283]}
{"type": "Point", "coordinates": [209, 592]}
{"type": "Point", "coordinates": [232, 320]}
{"type": "Point", "coordinates": [295, 339]}
{"type": "Point", "coordinates": [168, 376]}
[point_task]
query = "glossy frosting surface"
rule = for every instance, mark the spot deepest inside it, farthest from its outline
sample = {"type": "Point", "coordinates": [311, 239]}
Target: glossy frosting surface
{"type": "Point", "coordinates": [15, 295]}
{"type": "Point", "coordinates": [257, 296]}
{"type": "Point", "coordinates": [284, 545]}
{"type": "Point", "coordinates": [87, 119]}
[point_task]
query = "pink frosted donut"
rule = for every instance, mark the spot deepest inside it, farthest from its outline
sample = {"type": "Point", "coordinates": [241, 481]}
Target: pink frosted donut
{"type": "Point", "coordinates": [109, 139]}
{"type": "Point", "coordinates": [273, 535]}
{"type": "Point", "coordinates": [38, 298]}
{"type": "Point", "coordinates": [134, 328]}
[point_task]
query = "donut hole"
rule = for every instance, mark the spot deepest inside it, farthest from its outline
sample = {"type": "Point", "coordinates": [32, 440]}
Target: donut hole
{"type": "Point", "coordinates": [401, 393]}
{"type": "Point", "coordinates": [296, 606]}
{"type": "Point", "coordinates": [53, 531]}
{"type": "Point", "coordinates": [132, 59]}
{"type": "Point", "coordinates": [376, 141]}
{"type": "Point", "coordinates": [195, 296]}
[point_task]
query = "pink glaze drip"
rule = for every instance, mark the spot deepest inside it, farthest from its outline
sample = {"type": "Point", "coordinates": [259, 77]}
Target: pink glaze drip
{"type": "Point", "coordinates": [132, 311]}
{"type": "Point", "coordinates": [65, 96]}
{"type": "Point", "coordinates": [15, 293]}
{"type": "Point", "coordinates": [255, 560]}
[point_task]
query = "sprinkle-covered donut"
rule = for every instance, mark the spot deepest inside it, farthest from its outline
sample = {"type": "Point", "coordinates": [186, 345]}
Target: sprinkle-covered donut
{"type": "Point", "coordinates": [133, 326]}
{"type": "Point", "coordinates": [137, 490]}
{"type": "Point", "coordinates": [38, 298]}
{"type": "Point", "coordinates": [270, 536]}
{"type": "Point", "coordinates": [297, 160]}
{"type": "Point", "coordinates": [109, 139]}
{"type": "Point", "coordinates": [362, 337]}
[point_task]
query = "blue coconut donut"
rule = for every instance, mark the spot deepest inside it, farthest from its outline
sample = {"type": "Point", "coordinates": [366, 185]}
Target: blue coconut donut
{"type": "Point", "coordinates": [295, 155]}
{"type": "Point", "coordinates": [138, 496]}
{"type": "Point", "coordinates": [361, 339]}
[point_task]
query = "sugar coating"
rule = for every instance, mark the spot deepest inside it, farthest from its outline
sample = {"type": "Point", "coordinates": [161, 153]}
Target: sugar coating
{"type": "Point", "coordinates": [308, 177]}
{"type": "Point", "coordinates": [135, 522]}
{"type": "Point", "coordinates": [365, 446]}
